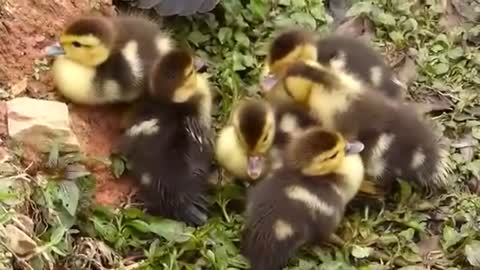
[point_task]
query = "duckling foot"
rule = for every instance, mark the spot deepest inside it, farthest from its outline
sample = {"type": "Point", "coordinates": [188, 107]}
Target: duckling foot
{"type": "Point", "coordinates": [370, 188]}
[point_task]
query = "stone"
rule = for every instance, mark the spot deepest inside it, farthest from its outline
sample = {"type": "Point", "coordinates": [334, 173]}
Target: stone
{"type": "Point", "coordinates": [39, 123]}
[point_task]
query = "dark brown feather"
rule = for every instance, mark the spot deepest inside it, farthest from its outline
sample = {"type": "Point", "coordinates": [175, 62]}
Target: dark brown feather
{"type": "Point", "coordinates": [252, 119]}
{"type": "Point", "coordinates": [286, 42]}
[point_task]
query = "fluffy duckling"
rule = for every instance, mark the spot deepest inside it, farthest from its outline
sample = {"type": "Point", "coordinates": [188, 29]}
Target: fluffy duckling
{"type": "Point", "coordinates": [304, 200]}
{"type": "Point", "coordinates": [242, 146]}
{"type": "Point", "coordinates": [344, 53]}
{"type": "Point", "coordinates": [256, 135]}
{"type": "Point", "coordinates": [398, 142]}
{"type": "Point", "coordinates": [102, 60]}
{"type": "Point", "coordinates": [168, 149]}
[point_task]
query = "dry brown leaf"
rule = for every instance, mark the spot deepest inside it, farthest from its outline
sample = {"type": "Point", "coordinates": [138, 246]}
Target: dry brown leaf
{"type": "Point", "coordinates": [19, 87]}
{"type": "Point", "coordinates": [451, 17]}
{"type": "Point", "coordinates": [359, 27]}
{"type": "Point", "coordinates": [467, 145]}
{"type": "Point", "coordinates": [18, 241]}
{"type": "Point", "coordinates": [429, 249]}
{"type": "Point", "coordinates": [468, 9]}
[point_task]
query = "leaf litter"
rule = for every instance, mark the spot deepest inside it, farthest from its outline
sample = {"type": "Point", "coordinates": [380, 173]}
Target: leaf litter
{"type": "Point", "coordinates": [408, 232]}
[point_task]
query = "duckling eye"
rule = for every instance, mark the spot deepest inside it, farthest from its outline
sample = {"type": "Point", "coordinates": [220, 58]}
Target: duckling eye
{"type": "Point", "coordinates": [76, 44]}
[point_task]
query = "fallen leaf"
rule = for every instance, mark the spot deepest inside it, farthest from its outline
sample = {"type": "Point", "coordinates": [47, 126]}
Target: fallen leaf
{"type": "Point", "coordinates": [472, 251]}
{"type": "Point", "coordinates": [359, 26]}
{"type": "Point", "coordinates": [19, 87]}
{"type": "Point", "coordinates": [468, 9]}
{"type": "Point", "coordinates": [429, 245]}
{"type": "Point", "coordinates": [451, 18]}
{"type": "Point", "coordinates": [474, 185]}
{"type": "Point", "coordinates": [465, 141]}
{"type": "Point", "coordinates": [406, 70]}
{"type": "Point", "coordinates": [361, 252]}
{"type": "Point", "coordinates": [18, 241]}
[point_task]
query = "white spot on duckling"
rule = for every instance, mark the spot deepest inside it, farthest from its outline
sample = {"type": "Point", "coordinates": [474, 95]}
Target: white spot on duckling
{"type": "Point", "coordinates": [146, 179]}
{"type": "Point", "coordinates": [148, 127]}
{"type": "Point", "coordinates": [339, 62]}
{"type": "Point", "coordinates": [376, 75]}
{"type": "Point", "coordinates": [443, 168]}
{"type": "Point", "coordinates": [111, 90]}
{"type": "Point", "coordinates": [282, 230]}
{"type": "Point", "coordinates": [130, 52]}
{"type": "Point", "coordinates": [311, 200]}
{"type": "Point", "coordinates": [418, 159]}
{"type": "Point", "coordinates": [376, 162]}
{"type": "Point", "coordinates": [288, 123]}
{"type": "Point", "coordinates": [163, 43]}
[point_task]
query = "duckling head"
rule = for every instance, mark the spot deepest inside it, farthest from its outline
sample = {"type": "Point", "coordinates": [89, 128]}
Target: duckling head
{"type": "Point", "coordinates": [290, 46]}
{"type": "Point", "coordinates": [88, 41]}
{"type": "Point", "coordinates": [303, 77]}
{"type": "Point", "coordinates": [175, 76]}
{"type": "Point", "coordinates": [318, 151]}
{"type": "Point", "coordinates": [254, 125]}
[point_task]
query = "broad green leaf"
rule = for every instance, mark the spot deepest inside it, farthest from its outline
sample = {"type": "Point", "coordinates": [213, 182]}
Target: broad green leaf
{"type": "Point", "coordinates": [224, 34]}
{"type": "Point", "coordinates": [57, 235]}
{"type": "Point", "coordinates": [69, 194]}
{"type": "Point", "coordinates": [455, 53]}
{"type": "Point", "coordinates": [450, 237]}
{"type": "Point", "coordinates": [197, 37]}
{"type": "Point", "coordinates": [140, 225]}
{"type": "Point", "coordinates": [170, 230]}
{"type": "Point", "coordinates": [304, 19]}
{"type": "Point", "coordinates": [361, 252]}
{"type": "Point", "coordinates": [360, 7]}
{"type": "Point", "coordinates": [385, 19]}
{"type": "Point", "coordinates": [397, 37]}
{"type": "Point", "coordinates": [441, 68]}
{"type": "Point", "coordinates": [472, 252]}
{"type": "Point", "coordinates": [258, 7]}
{"type": "Point", "coordinates": [241, 38]}
{"type": "Point", "coordinates": [407, 234]}
{"type": "Point", "coordinates": [118, 165]}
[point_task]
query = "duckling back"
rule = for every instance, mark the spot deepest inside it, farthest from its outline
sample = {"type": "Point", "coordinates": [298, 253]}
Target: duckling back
{"type": "Point", "coordinates": [399, 143]}
{"type": "Point", "coordinates": [362, 61]}
{"type": "Point", "coordinates": [289, 209]}
{"type": "Point", "coordinates": [108, 60]}
{"type": "Point", "coordinates": [169, 155]}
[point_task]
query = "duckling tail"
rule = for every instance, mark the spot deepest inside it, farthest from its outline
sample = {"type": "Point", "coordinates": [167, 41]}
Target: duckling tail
{"type": "Point", "coordinates": [265, 250]}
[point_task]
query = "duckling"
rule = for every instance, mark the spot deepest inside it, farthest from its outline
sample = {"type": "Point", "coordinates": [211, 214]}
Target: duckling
{"type": "Point", "coordinates": [242, 146]}
{"type": "Point", "coordinates": [345, 53]}
{"type": "Point", "coordinates": [100, 60]}
{"type": "Point", "coordinates": [302, 202]}
{"type": "Point", "coordinates": [398, 142]}
{"type": "Point", "coordinates": [168, 148]}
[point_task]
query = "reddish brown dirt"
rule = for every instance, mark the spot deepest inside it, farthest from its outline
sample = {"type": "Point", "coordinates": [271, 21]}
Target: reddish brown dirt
{"type": "Point", "coordinates": [26, 27]}
{"type": "Point", "coordinates": [3, 119]}
{"type": "Point", "coordinates": [98, 130]}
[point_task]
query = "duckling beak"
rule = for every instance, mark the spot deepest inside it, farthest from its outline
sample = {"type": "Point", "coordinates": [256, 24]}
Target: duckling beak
{"type": "Point", "coordinates": [255, 166]}
{"type": "Point", "coordinates": [54, 50]}
{"type": "Point", "coordinates": [353, 148]}
{"type": "Point", "coordinates": [268, 82]}
{"type": "Point", "coordinates": [199, 64]}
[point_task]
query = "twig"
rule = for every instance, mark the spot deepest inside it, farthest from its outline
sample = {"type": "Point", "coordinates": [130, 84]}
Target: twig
{"type": "Point", "coordinates": [377, 255]}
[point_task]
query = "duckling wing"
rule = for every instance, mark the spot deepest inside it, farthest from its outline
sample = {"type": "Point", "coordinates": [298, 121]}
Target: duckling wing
{"type": "Point", "coordinates": [169, 169]}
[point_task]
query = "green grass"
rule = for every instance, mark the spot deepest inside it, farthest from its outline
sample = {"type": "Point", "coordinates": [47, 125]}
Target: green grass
{"type": "Point", "coordinates": [442, 232]}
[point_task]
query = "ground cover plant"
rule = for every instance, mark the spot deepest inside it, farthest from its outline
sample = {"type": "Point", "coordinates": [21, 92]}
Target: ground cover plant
{"type": "Point", "coordinates": [52, 223]}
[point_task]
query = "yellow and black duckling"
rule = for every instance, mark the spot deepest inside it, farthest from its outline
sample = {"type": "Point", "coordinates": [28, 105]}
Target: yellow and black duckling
{"type": "Point", "coordinates": [304, 200]}
{"type": "Point", "coordinates": [344, 53]}
{"type": "Point", "coordinates": [169, 148]}
{"type": "Point", "coordinates": [257, 133]}
{"type": "Point", "coordinates": [398, 142]}
{"type": "Point", "coordinates": [242, 146]}
{"type": "Point", "coordinates": [102, 60]}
